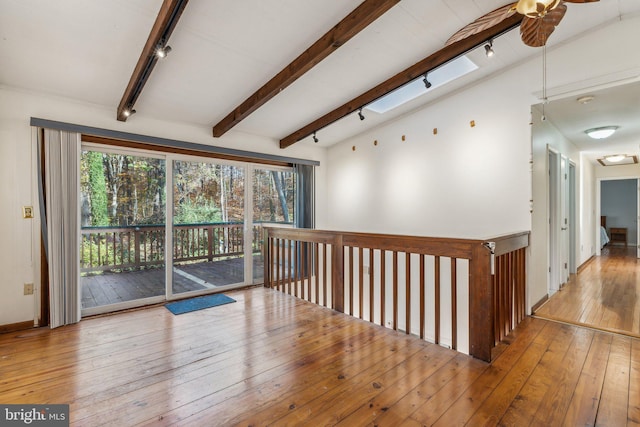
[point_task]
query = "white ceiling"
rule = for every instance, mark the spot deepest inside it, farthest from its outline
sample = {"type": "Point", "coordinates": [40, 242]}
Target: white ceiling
{"type": "Point", "coordinates": [223, 51]}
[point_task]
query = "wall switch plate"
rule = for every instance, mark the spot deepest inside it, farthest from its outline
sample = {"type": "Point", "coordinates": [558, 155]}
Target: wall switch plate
{"type": "Point", "coordinates": [28, 288]}
{"type": "Point", "coordinates": [27, 212]}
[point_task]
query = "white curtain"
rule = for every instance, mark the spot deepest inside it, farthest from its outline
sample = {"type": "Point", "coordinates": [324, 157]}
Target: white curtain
{"type": "Point", "coordinates": [61, 219]}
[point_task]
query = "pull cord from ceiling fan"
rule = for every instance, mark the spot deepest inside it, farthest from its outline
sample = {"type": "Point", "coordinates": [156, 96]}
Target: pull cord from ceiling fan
{"type": "Point", "coordinates": [544, 80]}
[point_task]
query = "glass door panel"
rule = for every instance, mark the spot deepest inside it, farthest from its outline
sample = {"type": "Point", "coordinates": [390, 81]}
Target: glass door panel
{"type": "Point", "coordinates": [208, 224]}
{"type": "Point", "coordinates": [273, 204]}
{"type": "Point", "coordinates": [123, 229]}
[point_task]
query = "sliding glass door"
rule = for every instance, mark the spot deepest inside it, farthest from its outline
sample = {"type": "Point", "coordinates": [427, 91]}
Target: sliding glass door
{"type": "Point", "coordinates": [122, 246]}
{"type": "Point", "coordinates": [208, 225]}
{"type": "Point", "coordinates": [273, 205]}
{"type": "Point", "coordinates": [142, 244]}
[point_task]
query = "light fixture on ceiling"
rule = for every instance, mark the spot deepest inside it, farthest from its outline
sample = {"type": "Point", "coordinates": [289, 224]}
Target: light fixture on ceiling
{"type": "Point", "coordinates": [360, 114]}
{"type": "Point", "coordinates": [128, 112]}
{"type": "Point", "coordinates": [427, 83]}
{"type": "Point", "coordinates": [162, 51]}
{"type": "Point", "coordinates": [488, 49]}
{"type": "Point", "coordinates": [585, 99]}
{"type": "Point", "coordinates": [601, 132]}
{"type": "Point", "coordinates": [315, 138]}
{"type": "Point", "coordinates": [536, 8]}
{"type": "Point", "coordinates": [616, 158]}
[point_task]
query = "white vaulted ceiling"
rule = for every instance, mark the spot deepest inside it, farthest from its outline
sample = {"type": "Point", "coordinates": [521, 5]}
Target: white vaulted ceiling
{"type": "Point", "coordinates": [223, 51]}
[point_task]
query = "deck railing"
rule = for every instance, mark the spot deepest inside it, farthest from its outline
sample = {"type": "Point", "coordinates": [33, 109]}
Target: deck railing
{"type": "Point", "coordinates": [467, 294]}
{"type": "Point", "coordinates": [137, 247]}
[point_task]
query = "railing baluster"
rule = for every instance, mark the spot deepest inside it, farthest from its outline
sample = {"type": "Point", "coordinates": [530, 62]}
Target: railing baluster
{"type": "Point", "coordinates": [360, 284]}
{"type": "Point", "coordinates": [407, 294]}
{"type": "Point", "coordinates": [324, 274]}
{"type": "Point", "coordinates": [422, 295]}
{"type": "Point", "coordinates": [350, 284]}
{"type": "Point", "coordinates": [296, 270]}
{"type": "Point", "coordinates": [371, 286]}
{"type": "Point", "coordinates": [383, 286]}
{"type": "Point", "coordinates": [436, 298]}
{"type": "Point", "coordinates": [289, 265]}
{"type": "Point", "coordinates": [454, 304]}
{"type": "Point", "coordinates": [395, 290]}
{"type": "Point", "coordinates": [316, 271]}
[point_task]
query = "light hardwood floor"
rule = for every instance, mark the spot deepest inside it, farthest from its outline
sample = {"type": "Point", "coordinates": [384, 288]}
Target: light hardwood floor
{"type": "Point", "coordinates": [605, 295]}
{"type": "Point", "coordinates": [271, 359]}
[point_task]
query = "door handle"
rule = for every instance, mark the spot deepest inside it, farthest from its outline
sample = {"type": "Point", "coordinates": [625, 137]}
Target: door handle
{"type": "Point", "coordinates": [563, 228]}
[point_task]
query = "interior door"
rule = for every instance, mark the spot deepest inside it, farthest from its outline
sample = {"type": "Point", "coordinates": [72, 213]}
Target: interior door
{"type": "Point", "coordinates": [553, 221]}
{"type": "Point", "coordinates": [565, 209]}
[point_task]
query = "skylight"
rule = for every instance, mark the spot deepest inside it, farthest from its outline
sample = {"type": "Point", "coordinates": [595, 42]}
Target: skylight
{"type": "Point", "coordinates": [438, 77]}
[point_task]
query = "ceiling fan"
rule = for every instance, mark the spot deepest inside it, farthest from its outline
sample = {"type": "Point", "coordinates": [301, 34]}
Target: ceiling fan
{"type": "Point", "coordinates": [540, 18]}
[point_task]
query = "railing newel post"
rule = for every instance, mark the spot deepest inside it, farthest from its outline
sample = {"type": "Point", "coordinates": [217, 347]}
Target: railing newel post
{"type": "Point", "coordinates": [481, 303]}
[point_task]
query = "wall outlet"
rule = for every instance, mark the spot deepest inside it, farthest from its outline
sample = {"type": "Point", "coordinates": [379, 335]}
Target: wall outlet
{"type": "Point", "coordinates": [28, 288]}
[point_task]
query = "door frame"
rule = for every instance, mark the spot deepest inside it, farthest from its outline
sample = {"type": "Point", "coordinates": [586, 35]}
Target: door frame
{"type": "Point", "coordinates": [598, 209]}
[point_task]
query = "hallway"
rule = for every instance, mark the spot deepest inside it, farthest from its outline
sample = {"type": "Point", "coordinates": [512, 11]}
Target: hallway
{"type": "Point", "coordinates": [604, 295]}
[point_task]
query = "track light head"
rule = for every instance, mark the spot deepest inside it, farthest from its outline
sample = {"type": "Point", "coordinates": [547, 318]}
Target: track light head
{"type": "Point", "coordinates": [315, 138]}
{"type": "Point", "coordinates": [488, 49]}
{"type": "Point", "coordinates": [360, 114]}
{"type": "Point", "coordinates": [128, 112]}
{"type": "Point", "coordinates": [427, 83]}
{"type": "Point", "coordinates": [163, 51]}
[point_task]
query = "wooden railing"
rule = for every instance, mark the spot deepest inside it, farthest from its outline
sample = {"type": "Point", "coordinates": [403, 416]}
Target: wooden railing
{"type": "Point", "coordinates": [136, 247]}
{"type": "Point", "coordinates": [467, 294]}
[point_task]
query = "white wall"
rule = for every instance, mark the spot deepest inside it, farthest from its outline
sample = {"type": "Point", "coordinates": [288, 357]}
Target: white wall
{"type": "Point", "coordinates": [463, 182]}
{"type": "Point", "coordinates": [19, 238]}
{"type": "Point", "coordinates": [588, 221]}
{"type": "Point", "coordinates": [475, 182]}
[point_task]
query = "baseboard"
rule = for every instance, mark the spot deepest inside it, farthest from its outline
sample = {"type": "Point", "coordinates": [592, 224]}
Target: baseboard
{"type": "Point", "coordinates": [585, 264]}
{"type": "Point", "coordinates": [537, 305]}
{"type": "Point", "coordinates": [14, 327]}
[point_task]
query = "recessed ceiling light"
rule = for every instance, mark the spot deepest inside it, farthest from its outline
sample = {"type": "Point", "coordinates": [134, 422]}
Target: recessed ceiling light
{"type": "Point", "coordinates": [601, 132]}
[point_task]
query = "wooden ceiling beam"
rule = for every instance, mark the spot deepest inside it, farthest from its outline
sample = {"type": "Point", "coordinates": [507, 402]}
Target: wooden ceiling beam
{"type": "Point", "coordinates": [352, 24]}
{"type": "Point", "coordinates": [429, 63]}
{"type": "Point", "coordinates": [167, 18]}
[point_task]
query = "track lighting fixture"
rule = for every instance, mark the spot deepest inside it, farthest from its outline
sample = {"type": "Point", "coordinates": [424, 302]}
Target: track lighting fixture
{"type": "Point", "coordinates": [162, 51]}
{"type": "Point", "coordinates": [488, 49]}
{"type": "Point", "coordinates": [427, 83]}
{"type": "Point", "coordinates": [315, 138]}
{"type": "Point", "coordinates": [360, 114]}
{"type": "Point", "coordinates": [128, 112]}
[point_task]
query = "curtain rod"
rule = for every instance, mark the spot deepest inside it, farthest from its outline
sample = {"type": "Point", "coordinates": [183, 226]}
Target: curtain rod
{"type": "Point", "coordinates": [173, 143]}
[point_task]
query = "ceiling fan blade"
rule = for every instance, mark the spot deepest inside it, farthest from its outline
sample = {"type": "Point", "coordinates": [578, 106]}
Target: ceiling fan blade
{"type": "Point", "coordinates": [536, 31]}
{"type": "Point", "coordinates": [482, 23]}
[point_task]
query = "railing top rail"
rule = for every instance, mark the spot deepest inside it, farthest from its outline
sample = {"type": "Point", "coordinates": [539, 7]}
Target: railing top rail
{"type": "Point", "coordinates": [510, 242]}
{"type": "Point", "coordinates": [161, 226]}
{"type": "Point", "coordinates": [440, 246]}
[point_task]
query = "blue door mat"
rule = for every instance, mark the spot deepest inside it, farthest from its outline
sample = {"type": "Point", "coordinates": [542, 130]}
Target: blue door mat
{"type": "Point", "coordinates": [194, 304]}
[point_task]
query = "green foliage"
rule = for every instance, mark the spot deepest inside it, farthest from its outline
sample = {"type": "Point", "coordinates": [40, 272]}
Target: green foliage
{"type": "Point", "coordinates": [200, 210]}
{"type": "Point", "coordinates": [97, 189]}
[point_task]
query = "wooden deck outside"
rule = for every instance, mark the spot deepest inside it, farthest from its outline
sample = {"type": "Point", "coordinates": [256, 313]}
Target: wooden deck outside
{"type": "Point", "coordinates": [605, 295]}
{"type": "Point", "coordinates": [272, 359]}
{"type": "Point", "coordinates": [111, 288]}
